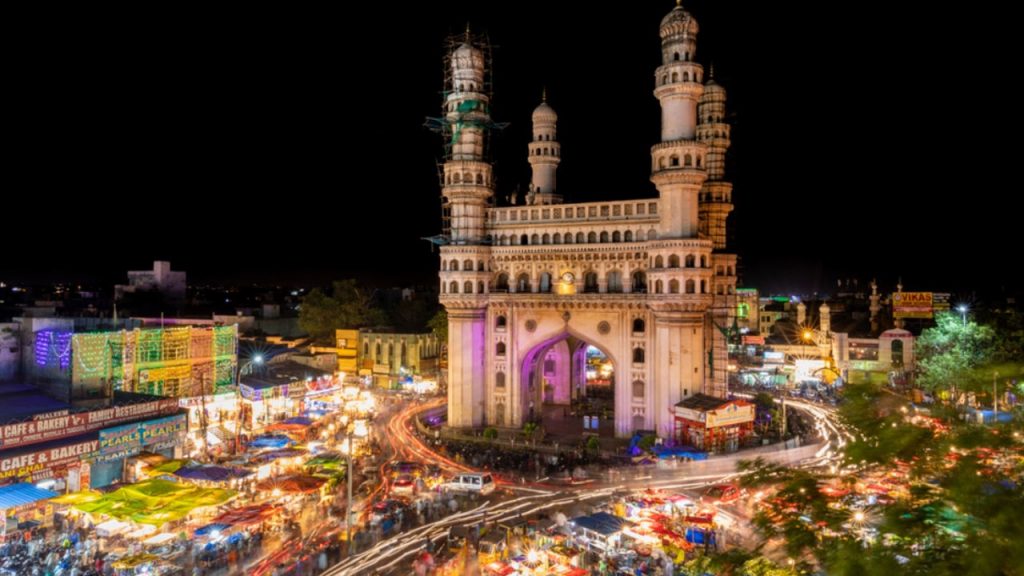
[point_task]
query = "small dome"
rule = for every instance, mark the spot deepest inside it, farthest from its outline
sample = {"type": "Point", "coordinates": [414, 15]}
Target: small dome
{"type": "Point", "coordinates": [465, 50]}
{"type": "Point", "coordinates": [712, 87]}
{"type": "Point", "coordinates": [679, 20]}
{"type": "Point", "coordinates": [544, 113]}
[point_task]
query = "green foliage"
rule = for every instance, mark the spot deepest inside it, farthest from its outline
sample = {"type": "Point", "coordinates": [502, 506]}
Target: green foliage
{"type": "Point", "coordinates": [764, 401]}
{"type": "Point", "coordinates": [647, 442]}
{"type": "Point", "coordinates": [491, 433]}
{"type": "Point", "coordinates": [948, 354]}
{"type": "Point", "coordinates": [961, 517]}
{"type": "Point", "coordinates": [593, 444]}
{"type": "Point", "coordinates": [530, 428]}
{"type": "Point", "coordinates": [439, 325]}
{"type": "Point", "coordinates": [348, 306]}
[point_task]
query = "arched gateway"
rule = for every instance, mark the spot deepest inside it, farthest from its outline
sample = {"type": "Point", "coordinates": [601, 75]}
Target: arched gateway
{"type": "Point", "coordinates": [530, 288]}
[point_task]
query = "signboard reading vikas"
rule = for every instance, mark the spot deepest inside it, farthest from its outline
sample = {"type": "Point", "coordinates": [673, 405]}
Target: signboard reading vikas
{"type": "Point", "coordinates": [63, 424]}
{"type": "Point", "coordinates": [912, 305]}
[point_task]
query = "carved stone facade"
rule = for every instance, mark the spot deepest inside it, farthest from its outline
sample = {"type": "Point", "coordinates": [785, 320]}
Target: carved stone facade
{"type": "Point", "coordinates": [642, 280]}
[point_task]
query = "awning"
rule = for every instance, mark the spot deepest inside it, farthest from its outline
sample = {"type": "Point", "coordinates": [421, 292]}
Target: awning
{"type": "Point", "coordinates": [159, 539]}
{"type": "Point", "coordinates": [296, 483]}
{"type": "Point", "coordinates": [22, 494]}
{"type": "Point", "coordinates": [211, 528]}
{"type": "Point", "coordinates": [271, 441]}
{"type": "Point", "coordinates": [212, 473]}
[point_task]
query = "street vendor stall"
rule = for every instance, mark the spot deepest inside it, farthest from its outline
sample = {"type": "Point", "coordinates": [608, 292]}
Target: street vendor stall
{"type": "Point", "coordinates": [153, 501]}
{"type": "Point", "coordinates": [21, 503]}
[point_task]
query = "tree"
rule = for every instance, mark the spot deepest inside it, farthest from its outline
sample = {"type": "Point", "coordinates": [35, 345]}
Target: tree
{"type": "Point", "coordinates": [348, 306]}
{"type": "Point", "coordinates": [439, 325]}
{"type": "Point", "coordinates": [949, 353]}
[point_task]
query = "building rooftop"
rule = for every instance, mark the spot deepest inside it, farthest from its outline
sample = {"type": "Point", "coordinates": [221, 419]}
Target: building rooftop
{"type": "Point", "coordinates": [702, 402]}
{"type": "Point", "coordinates": [20, 401]}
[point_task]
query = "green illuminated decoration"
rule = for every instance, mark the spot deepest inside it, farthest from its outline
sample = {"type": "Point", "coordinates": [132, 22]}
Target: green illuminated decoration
{"type": "Point", "coordinates": [179, 361]}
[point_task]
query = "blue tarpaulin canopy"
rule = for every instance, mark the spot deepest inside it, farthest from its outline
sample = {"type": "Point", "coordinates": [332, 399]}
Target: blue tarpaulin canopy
{"type": "Point", "coordinates": [603, 523]}
{"type": "Point", "coordinates": [300, 420]}
{"type": "Point", "coordinates": [680, 452]}
{"type": "Point", "coordinates": [271, 441]}
{"type": "Point", "coordinates": [210, 529]}
{"type": "Point", "coordinates": [212, 473]}
{"type": "Point", "coordinates": [17, 495]}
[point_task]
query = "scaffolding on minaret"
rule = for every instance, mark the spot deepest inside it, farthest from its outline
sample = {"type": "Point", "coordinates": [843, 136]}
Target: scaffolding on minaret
{"type": "Point", "coordinates": [451, 123]}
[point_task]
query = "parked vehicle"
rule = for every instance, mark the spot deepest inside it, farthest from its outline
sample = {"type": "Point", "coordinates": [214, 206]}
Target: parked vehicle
{"type": "Point", "coordinates": [721, 494]}
{"type": "Point", "coordinates": [468, 482]}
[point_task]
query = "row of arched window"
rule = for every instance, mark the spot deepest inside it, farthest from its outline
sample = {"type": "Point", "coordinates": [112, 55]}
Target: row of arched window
{"type": "Point", "coordinates": [467, 287]}
{"type": "Point", "coordinates": [579, 238]}
{"type": "Point", "coordinates": [467, 265]}
{"type": "Point", "coordinates": [675, 77]}
{"type": "Point", "coordinates": [543, 138]}
{"type": "Point", "coordinates": [501, 323]}
{"type": "Point", "coordinates": [403, 360]}
{"type": "Point", "coordinates": [545, 151]}
{"type": "Point", "coordinates": [673, 161]}
{"type": "Point", "coordinates": [464, 178]}
{"type": "Point", "coordinates": [673, 261]}
{"type": "Point", "coordinates": [690, 287]}
{"type": "Point", "coordinates": [613, 282]}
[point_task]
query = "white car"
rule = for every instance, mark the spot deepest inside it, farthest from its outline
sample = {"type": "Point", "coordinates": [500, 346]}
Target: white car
{"type": "Point", "coordinates": [468, 482]}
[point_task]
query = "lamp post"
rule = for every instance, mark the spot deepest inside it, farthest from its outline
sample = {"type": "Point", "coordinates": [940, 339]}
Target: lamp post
{"type": "Point", "coordinates": [348, 502]}
{"type": "Point", "coordinates": [962, 309]}
{"type": "Point", "coordinates": [258, 360]}
{"type": "Point", "coordinates": [351, 430]}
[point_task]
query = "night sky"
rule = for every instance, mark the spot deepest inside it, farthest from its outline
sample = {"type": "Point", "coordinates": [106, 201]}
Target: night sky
{"type": "Point", "coordinates": [289, 147]}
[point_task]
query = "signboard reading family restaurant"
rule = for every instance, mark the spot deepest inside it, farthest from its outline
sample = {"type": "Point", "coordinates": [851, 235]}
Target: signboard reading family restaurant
{"type": "Point", "coordinates": [64, 424]}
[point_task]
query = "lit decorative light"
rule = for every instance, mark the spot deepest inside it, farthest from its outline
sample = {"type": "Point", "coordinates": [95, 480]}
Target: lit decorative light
{"type": "Point", "coordinates": [53, 348]}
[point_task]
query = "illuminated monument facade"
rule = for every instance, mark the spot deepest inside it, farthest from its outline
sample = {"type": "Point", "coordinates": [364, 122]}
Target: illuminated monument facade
{"type": "Point", "coordinates": [530, 288]}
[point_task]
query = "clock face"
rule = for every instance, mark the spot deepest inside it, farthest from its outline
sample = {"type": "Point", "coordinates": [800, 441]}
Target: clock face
{"type": "Point", "coordinates": [568, 278]}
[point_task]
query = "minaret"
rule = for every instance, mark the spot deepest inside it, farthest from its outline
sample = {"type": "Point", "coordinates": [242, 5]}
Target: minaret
{"type": "Point", "coordinates": [468, 188]}
{"type": "Point", "coordinates": [682, 295]}
{"type": "Point", "coordinates": [824, 318]}
{"type": "Point", "coordinates": [801, 314]}
{"type": "Point", "coordinates": [875, 306]}
{"type": "Point", "coordinates": [716, 195]}
{"type": "Point", "coordinates": [467, 175]}
{"type": "Point", "coordinates": [545, 154]}
{"type": "Point", "coordinates": [678, 162]}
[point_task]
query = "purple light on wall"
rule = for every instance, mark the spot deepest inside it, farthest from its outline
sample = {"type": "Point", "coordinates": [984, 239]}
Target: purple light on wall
{"type": "Point", "coordinates": [53, 348]}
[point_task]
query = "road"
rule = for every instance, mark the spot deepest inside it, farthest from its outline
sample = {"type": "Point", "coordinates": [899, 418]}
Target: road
{"type": "Point", "coordinates": [395, 554]}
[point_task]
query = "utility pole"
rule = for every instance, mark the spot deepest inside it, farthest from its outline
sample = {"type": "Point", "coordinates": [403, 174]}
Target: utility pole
{"type": "Point", "coordinates": [995, 398]}
{"type": "Point", "coordinates": [783, 416]}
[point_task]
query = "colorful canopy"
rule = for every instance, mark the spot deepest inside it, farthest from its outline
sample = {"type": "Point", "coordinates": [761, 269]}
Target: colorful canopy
{"type": "Point", "coordinates": [247, 515]}
{"type": "Point", "coordinates": [271, 441]}
{"type": "Point", "coordinates": [212, 473]}
{"type": "Point", "coordinates": [274, 455]}
{"type": "Point", "coordinates": [155, 501]}
{"type": "Point", "coordinates": [295, 483]}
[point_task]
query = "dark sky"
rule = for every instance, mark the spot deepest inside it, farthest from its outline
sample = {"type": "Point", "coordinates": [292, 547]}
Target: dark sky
{"type": "Point", "coordinates": [274, 146]}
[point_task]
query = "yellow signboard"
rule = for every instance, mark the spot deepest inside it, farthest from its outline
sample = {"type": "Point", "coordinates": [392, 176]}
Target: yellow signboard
{"type": "Point", "coordinates": [912, 305]}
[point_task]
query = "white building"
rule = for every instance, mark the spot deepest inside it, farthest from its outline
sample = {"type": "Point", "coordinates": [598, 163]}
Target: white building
{"type": "Point", "coordinates": [529, 288]}
{"type": "Point", "coordinates": [160, 279]}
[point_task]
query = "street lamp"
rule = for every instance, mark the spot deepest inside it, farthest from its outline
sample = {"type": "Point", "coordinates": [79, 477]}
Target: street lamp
{"type": "Point", "coordinates": [350, 431]}
{"type": "Point", "coordinates": [962, 309]}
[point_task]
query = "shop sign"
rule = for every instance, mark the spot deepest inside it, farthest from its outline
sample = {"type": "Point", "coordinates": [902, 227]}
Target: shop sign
{"type": "Point", "coordinates": [41, 464]}
{"type": "Point", "coordinates": [63, 424]}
